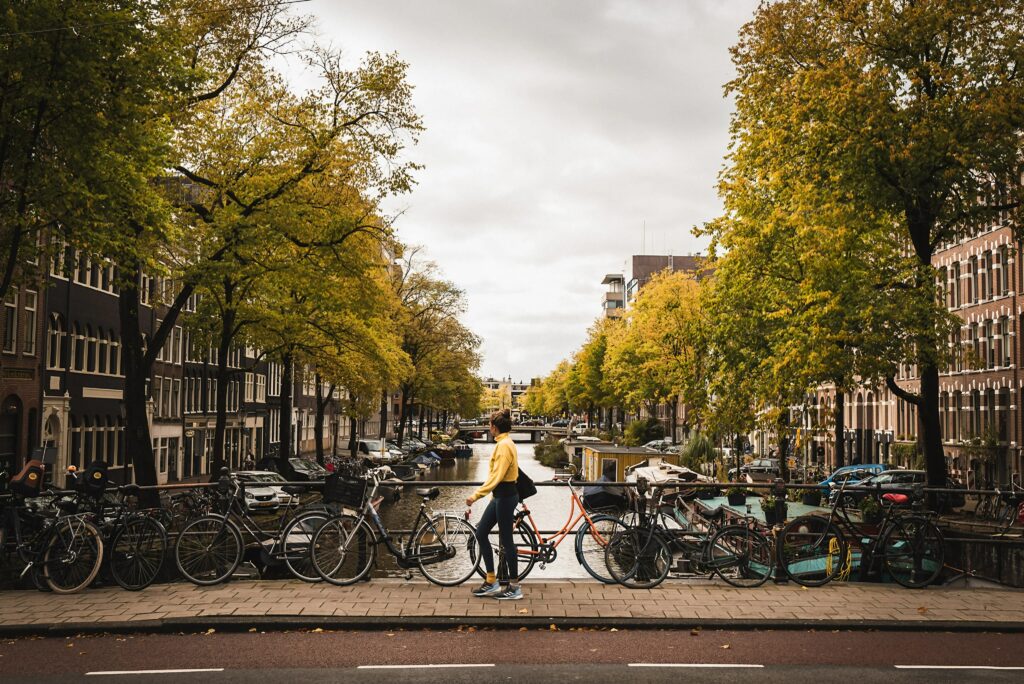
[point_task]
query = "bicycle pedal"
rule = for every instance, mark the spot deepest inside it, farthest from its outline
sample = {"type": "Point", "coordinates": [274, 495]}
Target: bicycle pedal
{"type": "Point", "coordinates": [408, 576]}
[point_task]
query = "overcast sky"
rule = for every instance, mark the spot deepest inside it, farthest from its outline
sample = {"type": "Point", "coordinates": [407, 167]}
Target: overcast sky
{"type": "Point", "coordinates": [554, 131]}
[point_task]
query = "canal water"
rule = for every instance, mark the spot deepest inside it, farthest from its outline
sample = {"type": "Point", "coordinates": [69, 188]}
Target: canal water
{"type": "Point", "coordinates": [550, 507]}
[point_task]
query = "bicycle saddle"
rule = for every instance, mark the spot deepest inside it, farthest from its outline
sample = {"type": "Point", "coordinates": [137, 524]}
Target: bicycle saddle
{"type": "Point", "coordinates": [428, 493]}
{"type": "Point", "coordinates": [716, 514]}
{"type": "Point", "coordinates": [892, 497]}
{"type": "Point", "coordinates": [130, 489]}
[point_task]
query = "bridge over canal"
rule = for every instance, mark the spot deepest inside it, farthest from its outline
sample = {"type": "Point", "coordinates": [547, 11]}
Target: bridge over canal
{"type": "Point", "coordinates": [481, 433]}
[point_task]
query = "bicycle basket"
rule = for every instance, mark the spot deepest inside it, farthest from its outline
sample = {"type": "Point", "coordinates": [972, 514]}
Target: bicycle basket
{"type": "Point", "coordinates": [349, 493]}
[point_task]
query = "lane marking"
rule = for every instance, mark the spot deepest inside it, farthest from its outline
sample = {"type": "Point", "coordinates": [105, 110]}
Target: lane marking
{"type": "Point", "coordinates": [421, 667]}
{"type": "Point", "coordinates": [137, 672]}
{"type": "Point", "coordinates": [955, 667]}
{"type": "Point", "coordinates": [699, 665]}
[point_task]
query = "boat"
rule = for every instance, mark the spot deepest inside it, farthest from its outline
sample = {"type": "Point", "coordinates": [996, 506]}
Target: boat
{"type": "Point", "coordinates": [657, 471]}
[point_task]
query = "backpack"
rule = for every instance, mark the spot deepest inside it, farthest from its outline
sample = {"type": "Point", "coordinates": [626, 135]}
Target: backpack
{"type": "Point", "coordinates": [29, 482]}
{"type": "Point", "coordinates": [93, 480]}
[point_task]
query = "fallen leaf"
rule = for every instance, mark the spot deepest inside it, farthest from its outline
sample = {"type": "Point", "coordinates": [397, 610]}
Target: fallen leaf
{"type": "Point", "coordinates": [553, 627]}
{"type": "Point", "coordinates": [922, 609]}
{"type": "Point", "coordinates": [320, 629]}
{"type": "Point", "coordinates": [726, 646]}
{"type": "Point", "coordinates": [613, 630]}
{"type": "Point", "coordinates": [471, 629]}
{"type": "Point", "coordinates": [252, 629]}
{"type": "Point", "coordinates": [524, 611]}
{"type": "Point", "coordinates": [211, 630]}
{"type": "Point", "coordinates": [390, 634]}
{"type": "Point", "coordinates": [523, 629]}
{"type": "Point", "coordinates": [694, 632]}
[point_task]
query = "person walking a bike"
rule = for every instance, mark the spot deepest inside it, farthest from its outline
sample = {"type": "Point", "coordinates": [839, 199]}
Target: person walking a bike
{"type": "Point", "coordinates": [501, 485]}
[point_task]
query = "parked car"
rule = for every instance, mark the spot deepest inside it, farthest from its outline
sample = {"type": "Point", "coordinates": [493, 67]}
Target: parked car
{"type": "Point", "coordinates": [258, 497]}
{"type": "Point", "coordinates": [760, 469]}
{"type": "Point", "coordinates": [305, 470]}
{"type": "Point", "coordinates": [374, 448]}
{"type": "Point", "coordinates": [269, 479]}
{"type": "Point", "coordinates": [561, 422]}
{"type": "Point", "coordinates": [851, 474]}
{"type": "Point", "coordinates": [660, 445]}
{"type": "Point", "coordinates": [899, 481]}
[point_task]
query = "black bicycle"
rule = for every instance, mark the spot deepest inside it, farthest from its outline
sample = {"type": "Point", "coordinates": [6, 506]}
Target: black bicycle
{"type": "Point", "coordinates": [210, 547]}
{"type": "Point", "coordinates": [700, 541]}
{"type": "Point", "coordinates": [813, 550]}
{"type": "Point", "coordinates": [441, 545]}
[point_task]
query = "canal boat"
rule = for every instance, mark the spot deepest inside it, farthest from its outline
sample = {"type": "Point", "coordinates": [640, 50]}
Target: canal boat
{"type": "Point", "coordinates": [674, 478]}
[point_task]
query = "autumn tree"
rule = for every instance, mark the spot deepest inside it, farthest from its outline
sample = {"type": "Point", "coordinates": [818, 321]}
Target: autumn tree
{"type": "Point", "coordinates": [911, 112]}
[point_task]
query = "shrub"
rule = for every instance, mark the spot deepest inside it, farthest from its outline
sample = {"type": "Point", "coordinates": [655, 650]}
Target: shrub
{"type": "Point", "coordinates": [550, 453]}
{"type": "Point", "coordinates": [698, 451]}
{"type": "Point", "coordinates": [642, 431]}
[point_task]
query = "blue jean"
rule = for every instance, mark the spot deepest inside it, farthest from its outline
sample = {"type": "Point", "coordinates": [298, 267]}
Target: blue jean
{"type": "Point", "coordinates": [501, 512]}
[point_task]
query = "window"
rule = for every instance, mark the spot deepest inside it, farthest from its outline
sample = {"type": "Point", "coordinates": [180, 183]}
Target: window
{"type": "Point", "coordinates": [990, 361]}
{"type": "Point", "coordinates": [77, 348]}
{"type": "Point", "coordinates": [261, 389]}
{"type": "Point", "coordinates": [955, 287]}
{"type": "Point", "coordinates": [55, 343]}
{"type": "Point", "coordinates": [250, 387]}
{"type": "Point", "coordinates": [972, 280]}
{"type": "Point", "coordinates": [90, 350]}
{"type": "Point", "coordinates": [274, 379]}
{"type": "Point", "coordinates": [31, 302]}
{"type": "Point", "coordinates": [11, 322]}
{"type": "Point", "coordinates": [175, 408]}
{"type": "Point", "coordinates": [1004, 269]}
{"type": "Point", "coordinates": [986, 276]}
{"type": "Point", "coordinates": [1007, 345]}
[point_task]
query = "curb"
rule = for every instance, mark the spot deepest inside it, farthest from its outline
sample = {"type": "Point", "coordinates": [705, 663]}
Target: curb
{"type": "Point", "coordinates": [240, 623]}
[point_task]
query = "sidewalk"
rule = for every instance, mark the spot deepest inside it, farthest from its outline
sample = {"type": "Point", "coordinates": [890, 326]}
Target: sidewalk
{"type": "Point", "coordinates": [394, 604]}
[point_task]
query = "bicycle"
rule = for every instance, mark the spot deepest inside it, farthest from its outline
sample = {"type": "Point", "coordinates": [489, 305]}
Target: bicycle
{"type": "Point", "coordinates": [442, 546]}
{"type": "Point", "coordinates": [641, 556]}
{"type": "Point", "coordinates": [135, 541]}
{"type": "Point", "coordinates": [813, 550]}
{"type": "Point", "coordinates": [210, 547]}
{"type": "Point", "coordinates": [591, 537]}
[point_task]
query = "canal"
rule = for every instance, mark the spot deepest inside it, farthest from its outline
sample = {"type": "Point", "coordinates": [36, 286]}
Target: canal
{"type": "Point", "coordinates": [550, 507]}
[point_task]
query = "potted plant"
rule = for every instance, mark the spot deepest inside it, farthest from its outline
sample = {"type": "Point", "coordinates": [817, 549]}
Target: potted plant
{"type": "Point", "coordinates": [707, 492]}
{"type": "Point", "coordinates": [811, 497]}
{"type": "Point", "coordinates": [736, 496]}
{"type": "Point", "coordinates": [770, 506]}
{"type": "Point", "coordinates": [870, 510]}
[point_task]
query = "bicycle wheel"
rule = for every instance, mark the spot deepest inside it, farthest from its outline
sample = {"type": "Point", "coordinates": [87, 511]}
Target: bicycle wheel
{"type": "Point", "coordinates": [527, 553]}
{"type": "Point", "coordinates": [446, 548]}
{"type": "Point", "coordinates": [812, 551]}
{"type": "Point", "coordinates": [913, 551]}
{"type": "Point", "coordinates": [591, 541]}
{"type": "Point", "coordinates": [296, 542]}
{"type": "Point", "coordinates": [637, 558]}
{"type": "Point", "coordinates": [73, 555]}
{"type": "Point", "coordinates": [741, 556]}
{"type": "Point", "coordinates": [136, 553]}
{"type": "Point", "coordinates": [208, 550]}
{"type": "Point", "coordinates": [343, 550]}
{"type": "Point", "coordinates": [983, 509]}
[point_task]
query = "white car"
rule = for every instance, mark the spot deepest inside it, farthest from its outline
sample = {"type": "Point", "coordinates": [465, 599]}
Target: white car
{"type": "Point", "coordinates": [260, 482]}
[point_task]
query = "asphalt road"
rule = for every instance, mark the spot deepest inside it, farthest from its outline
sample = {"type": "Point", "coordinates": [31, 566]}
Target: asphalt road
{"type": "Point", "coordinates": [534, 656]}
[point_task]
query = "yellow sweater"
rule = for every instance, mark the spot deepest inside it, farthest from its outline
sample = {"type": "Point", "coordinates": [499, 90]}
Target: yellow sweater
{"type": "Point", "coordinates": [504, 466]}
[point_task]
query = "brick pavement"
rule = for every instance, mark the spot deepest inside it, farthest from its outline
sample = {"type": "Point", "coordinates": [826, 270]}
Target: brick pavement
{"type": "Point", "coordinates": [394, 603]}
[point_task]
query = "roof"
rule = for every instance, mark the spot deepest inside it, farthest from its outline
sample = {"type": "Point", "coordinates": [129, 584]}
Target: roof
{"type": "Point", "coordinates": [613, 277]}
{"type": "Point", "coordinates": [613, 449]}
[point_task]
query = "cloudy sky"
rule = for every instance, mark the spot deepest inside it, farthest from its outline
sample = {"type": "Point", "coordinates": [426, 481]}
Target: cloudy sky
{"type": "Point", "coordinates": [554, 131]}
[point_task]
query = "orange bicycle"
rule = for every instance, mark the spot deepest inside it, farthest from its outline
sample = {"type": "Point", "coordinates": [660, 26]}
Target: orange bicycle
{"type": "Point", "coordinates": [592, 535]}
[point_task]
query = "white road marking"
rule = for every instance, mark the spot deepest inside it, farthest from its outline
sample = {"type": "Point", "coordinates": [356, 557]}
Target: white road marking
{"type": "Point", "coordinates": [420, 667]}
{"type": "Point", "coordinates": [138, 672]}
{"type": "Point", "coordinates": [723, 665]}
{"type": "Point", "coordinates": [954, 667]}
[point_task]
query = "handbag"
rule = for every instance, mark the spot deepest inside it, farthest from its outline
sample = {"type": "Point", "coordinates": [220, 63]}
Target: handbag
{"type": "Point", "coordinates": [524, 486]}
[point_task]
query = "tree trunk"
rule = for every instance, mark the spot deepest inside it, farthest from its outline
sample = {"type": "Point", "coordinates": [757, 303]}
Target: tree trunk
{"type": "Point", "coordinates": [318, 424]}
{"type": "Point", "coordinates": [287, 389]}
{"type": "Point", "coordinates": [227, 327]}
{"type": "Point", "coordinates": [840, 420]}
{"type": "Point", "coordinates": [930, 432]}
{"type": "Point", "coordinates": [138, 444]}
{"type": "Point", "coordinates": [423, 416]}
{"type": "Point", "coordinates": [353, 441]}
{"type": "Point", "coordinates": [384, 401]}
{"type": "Point", "coordinates": [675, 410]}
{"type": "Point", "coordinates": [403, 414]}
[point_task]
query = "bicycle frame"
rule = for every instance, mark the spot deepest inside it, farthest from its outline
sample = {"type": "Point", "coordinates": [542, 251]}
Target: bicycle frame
{"type": "Point", "coordinates": [403, 554]}
{"type": "Point", "coordinates": [577, 512]}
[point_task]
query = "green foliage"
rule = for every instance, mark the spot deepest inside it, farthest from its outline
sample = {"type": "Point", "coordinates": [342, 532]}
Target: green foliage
{"type": "Point", "coordinates": [903, 453]}
{"type": "Point", "coordinates": [642, 431]}
{"type": "Point", "coordinates": [550, 453]}
{"type": "Point", "coordinates": [698, 451]}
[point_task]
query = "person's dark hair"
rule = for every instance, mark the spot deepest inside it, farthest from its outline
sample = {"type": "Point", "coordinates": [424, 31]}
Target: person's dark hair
{"type": "Point", "coordinates": [502, 420]}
